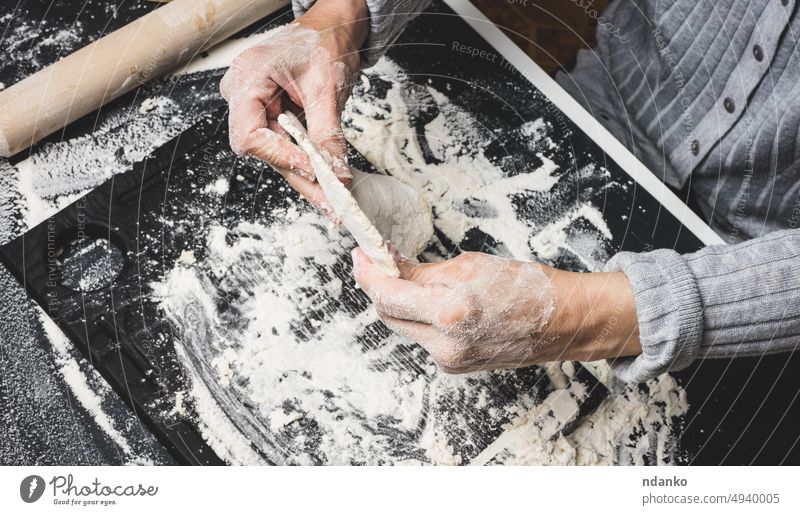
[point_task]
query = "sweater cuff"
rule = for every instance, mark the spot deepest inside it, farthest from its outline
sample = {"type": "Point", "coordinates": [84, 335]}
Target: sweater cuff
{"type": "Point", "coordinates": [669, 310]}
{"type": "Point", "coordinates": [387, 20]}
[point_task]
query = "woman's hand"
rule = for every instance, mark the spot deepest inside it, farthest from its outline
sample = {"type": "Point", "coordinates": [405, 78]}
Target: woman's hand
{"type": "Point", "coordinates": [308, 64]}
{"type": "Point", "coordinates": [481, 312]}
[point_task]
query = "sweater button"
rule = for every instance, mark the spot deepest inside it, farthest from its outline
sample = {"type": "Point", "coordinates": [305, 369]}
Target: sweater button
{"type": "Point", "coordinates": [695, 148]}
{"type": "Point", "coordinates": [785, 2]}
{"type": "Point", "coordinates": [729, 105]}
{"type": "Point", "coordinates": [758, 53]}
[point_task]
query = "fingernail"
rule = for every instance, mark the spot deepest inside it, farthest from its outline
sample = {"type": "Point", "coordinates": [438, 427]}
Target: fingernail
{"type": "Point", "coordinates": [347, 180]}
{"type": "Point", "coordinates": [327, 211]}
{"type": "Point", "coordinates": [301, 167]}
{"type": "Point", "coordinates": [398, 258]}
{"type": "Point", "coordinates": [358, 262]}
{"type": "Point", "coordinates": [342, 170]}
{"type": "Point", "coordinates": [305, 174]}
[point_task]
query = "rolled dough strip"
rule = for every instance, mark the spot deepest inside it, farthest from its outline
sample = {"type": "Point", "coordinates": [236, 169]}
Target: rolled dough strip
{"type": "Point", "coordinates": [341, 201]}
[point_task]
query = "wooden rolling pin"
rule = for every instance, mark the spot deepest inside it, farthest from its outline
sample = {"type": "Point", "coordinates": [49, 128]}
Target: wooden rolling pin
{"type": "Point", "coordinates": [117, 63]}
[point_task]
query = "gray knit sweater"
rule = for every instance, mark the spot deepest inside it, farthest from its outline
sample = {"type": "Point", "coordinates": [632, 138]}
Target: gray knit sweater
{"type": "Point", "coordinates": [704, 92]}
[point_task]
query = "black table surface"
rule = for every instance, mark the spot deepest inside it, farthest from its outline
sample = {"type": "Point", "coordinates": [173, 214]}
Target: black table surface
{"type": "Point", "coordinates": [740, 410]}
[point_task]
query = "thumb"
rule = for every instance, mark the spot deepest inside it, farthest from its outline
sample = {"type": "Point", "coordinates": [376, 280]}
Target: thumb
{"type": "Point", "coordinates": [396, 297]}
{"type": "Point", "coordinates": [325, 130]}
{"type": "Point", "coordinates": [421, 273]}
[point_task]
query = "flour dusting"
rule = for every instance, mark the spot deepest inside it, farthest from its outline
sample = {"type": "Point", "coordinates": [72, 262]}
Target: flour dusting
{"type": "Point", "coordinates": [288, 362]}
{"type": "Point", "coordinates": [60, 172]}
{"type": "Point", "coordinates": [308, 380]}
{"type": "Point", "coordinates": [90, 390]}
{"type": "Point", "coordinates": [466, 188]}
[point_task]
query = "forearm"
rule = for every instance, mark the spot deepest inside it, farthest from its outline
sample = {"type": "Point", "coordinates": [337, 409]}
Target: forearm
{"type": "Point", "coordinates": [740, 300]}
{"type": "Point", "coordinates": [751, 296]}
{"type": "Point", "coordinates": [594, 317]}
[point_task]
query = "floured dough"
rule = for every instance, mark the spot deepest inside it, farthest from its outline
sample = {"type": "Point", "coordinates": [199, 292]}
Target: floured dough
{"type": "Point", "coordinates": [399, 214]}
{"type": "Point", "coordinates": [398, 211]}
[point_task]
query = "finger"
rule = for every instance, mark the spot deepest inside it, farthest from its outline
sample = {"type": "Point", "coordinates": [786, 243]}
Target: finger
{"type": "Point", "coordinates": [433, 341]}
{"type": "Point", "coordinates": [274, 126]}
{"type": "Point", "coordinates": [422, 273]}
{"type": "Point", "coordinates": [461, 269]}
{"type": "Point", "coordinates": [247, 114]}
{"type": "Point", "coordinates": [249, 107]}
{"type": "Point", "coordinates": [325, 130]}
{"type": "Point", "coordinates": [310, 190]}
{"type": "Point", "coordinates": [396, 297]}
{"type": "Point", "coordinates": [250, 135]}
{"type": "Point", "coordinates": [305, 169]}
{"type": "Point", "coordinates": [423, 334]}
{"type": "Point", "coordinates": [280, 152]}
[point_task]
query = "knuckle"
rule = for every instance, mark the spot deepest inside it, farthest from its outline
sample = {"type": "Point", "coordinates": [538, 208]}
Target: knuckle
{"type": "Point", "coordinates": [225, 85]}
{"type": "Point", "coordinates": [452, 359]}
{"type": "Point", "coordinates": [380, 302]}
{"type": "Point", "coordinates": [450, 316]}
{"type": "Point", "coordinates": [363, 280]}
{"type": "Point", "coordinates": [460, 315]}
{"type": "Point", "coordinates": [358, 275]}
{"type": "Point", "coordinates": [333, 142]}
{"type": "Point", "coordinates": [253, 144]}
{"type": "Point", "coordinates": [238, 146]}
{"type": "Point", "coordinates": [241, 145]}
{"type": "Point", "coordinates": [245, 58]}
{"type": "Point", "coordinates": [224, 88]}
{"type": "Point", "coordinates": [241, 75]}
{"type": "Point", "coordinates": [384, 307]}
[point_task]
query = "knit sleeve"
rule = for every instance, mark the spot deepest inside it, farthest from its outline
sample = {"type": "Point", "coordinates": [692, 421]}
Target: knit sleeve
{"type": "Point", "coordinates": [388, 18]}
{"type": "Point", "coordinates": [720, 302]}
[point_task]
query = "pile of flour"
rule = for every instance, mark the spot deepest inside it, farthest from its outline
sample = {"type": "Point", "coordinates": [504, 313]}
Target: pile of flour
{"type": "Point", "coordinates": [288, 363]}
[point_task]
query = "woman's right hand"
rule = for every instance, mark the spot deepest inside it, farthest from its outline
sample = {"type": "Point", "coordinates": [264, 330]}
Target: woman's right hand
{"type": "Point", "coordinates": [309, 64]}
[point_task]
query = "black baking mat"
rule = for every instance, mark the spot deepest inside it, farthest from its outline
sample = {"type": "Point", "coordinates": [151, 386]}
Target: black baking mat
{"type": "Point", "coordinates": [160, 209]}
{"type": "Point", "coordinates": [119, 332]}
{"type": "Point", "coordinates": [156, 211]}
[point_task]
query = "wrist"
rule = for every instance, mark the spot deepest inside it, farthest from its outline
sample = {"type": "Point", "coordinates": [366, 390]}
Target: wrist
{"type": "Point", "coordinates": [345, 20]}
{"type": "Point", "coordinates": [595, 316]}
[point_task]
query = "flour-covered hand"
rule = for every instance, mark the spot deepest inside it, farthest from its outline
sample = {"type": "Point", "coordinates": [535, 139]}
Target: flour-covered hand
{"type": "Point", "coordinates": [310, 65]}
{"type": "Point", "coordinates": [481, 312]}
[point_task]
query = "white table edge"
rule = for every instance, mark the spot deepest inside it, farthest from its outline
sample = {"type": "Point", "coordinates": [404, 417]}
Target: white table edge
{"type": "Point", "coordinates": [585, 121]}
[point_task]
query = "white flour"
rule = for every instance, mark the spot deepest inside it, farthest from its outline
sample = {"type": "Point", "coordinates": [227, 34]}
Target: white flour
{"type": "Point", "coordinates": [328, 391]}
{"type": "Point", "coordinates": [465, 188]}
{"type": "Point", "coordinates": [25, 41]}
{"type": "Point", "coordinates": [61, 172]}
{"type": "Point", "coordinates": [604, 437]}
{"type": "Point", "coordinates": [89, 389]}
{"type": "Point", "coordinates": [284, 354]}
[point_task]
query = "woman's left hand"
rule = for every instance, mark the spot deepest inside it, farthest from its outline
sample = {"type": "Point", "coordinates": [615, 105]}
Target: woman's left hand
{"type": "Point", "coordinates": [481, 312]}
